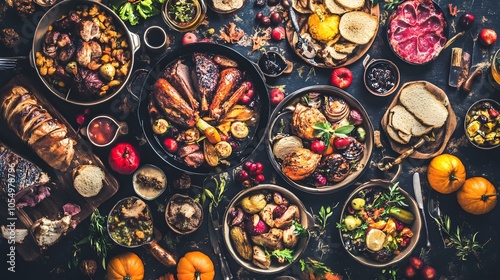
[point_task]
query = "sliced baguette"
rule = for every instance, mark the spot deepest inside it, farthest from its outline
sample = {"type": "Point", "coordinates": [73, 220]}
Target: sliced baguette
{"type": "Point", "coordinates": [404, 121]}
{"type": "Point", "coordinates": [351, 4]}
{"type": "Point", "coordinates": [333, 7]}
{"type": "Point", "coordinates": [358, 27]}
{"type": "Point", "coordinates": [88, 180]}
{"type": "Point", "coordinates": [424, 105]}
{"type": "Point", "coordinates": [393, 134]}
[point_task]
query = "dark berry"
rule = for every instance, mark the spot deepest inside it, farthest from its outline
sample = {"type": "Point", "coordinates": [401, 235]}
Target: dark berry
{"type": "Point", "coordinates": [80, 119]}
{"type": "Point", "coordinates": [247, 165]}
{"type": "Point", "coordinates": [275, 17]}
{"type": "Point", "coordinates": [259, 178]}
{"type": "Point", "coordinates": [243, 175]}
{"type": "Point", "coordinates": [259, 16]}
{"type": "Point", "coordinates": [266, 21]}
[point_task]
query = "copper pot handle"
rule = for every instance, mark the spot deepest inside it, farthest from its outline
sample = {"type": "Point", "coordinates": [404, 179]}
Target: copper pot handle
{"type": "Point", "coordinates": [468, 83]}
{"type": "Point", "coordinates": [161, 254]}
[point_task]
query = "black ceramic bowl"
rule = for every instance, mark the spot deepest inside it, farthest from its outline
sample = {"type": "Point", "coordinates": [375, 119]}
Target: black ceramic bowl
{"type": "Point", "coordinates": [473, 122]}
{"type": "Point", "coordinates": [247, 146]}
{"type": "Point", "coordinates": [280, 123]}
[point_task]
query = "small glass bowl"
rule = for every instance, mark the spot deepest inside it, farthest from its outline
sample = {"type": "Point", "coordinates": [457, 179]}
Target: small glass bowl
{"type": "Point", "coordinates": [198, 17]}
{"type": "Point", "coordinates": [154, 173]}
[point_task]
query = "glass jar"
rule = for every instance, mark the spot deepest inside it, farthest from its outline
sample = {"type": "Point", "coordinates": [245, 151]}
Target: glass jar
{"type": "Point", "coordinates": [184, 15]}
{"type": "Point", "coordinates": [494, 77]}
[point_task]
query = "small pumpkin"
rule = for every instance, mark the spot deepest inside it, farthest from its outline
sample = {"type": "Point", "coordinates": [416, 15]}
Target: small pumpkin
{"type": "Point", "coordinates": [446, 173]}
{"type": "Point", "coordinates": [195, 265]}
{"type": "Point", "coordinates": [477, 196]}
{"type": "Point", "coordinates": [127, 266]}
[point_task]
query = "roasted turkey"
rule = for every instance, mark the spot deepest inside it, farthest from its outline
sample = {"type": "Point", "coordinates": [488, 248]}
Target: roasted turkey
{"type": "Point", "coordinates": [300, 164]}
{"type": "Point", "coordinates": [303, 120]}
{"type": "Point", "coordinates": [37, 128]}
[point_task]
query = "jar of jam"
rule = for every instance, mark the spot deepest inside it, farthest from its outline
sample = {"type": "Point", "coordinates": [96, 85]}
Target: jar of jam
{"type": "Point", "coordinates": [381, 76]}
{"type": "Point", "coordinates": [103, 130]}
{"type": "Point", "coordinates": [272, 64]}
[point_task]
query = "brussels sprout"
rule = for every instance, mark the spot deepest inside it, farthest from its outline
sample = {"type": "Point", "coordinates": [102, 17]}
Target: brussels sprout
{"type": "Point", "coordinates": [350, 222]}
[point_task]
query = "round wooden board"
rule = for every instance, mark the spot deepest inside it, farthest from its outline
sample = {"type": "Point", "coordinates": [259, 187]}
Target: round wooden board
{"type": "Point", "coordinates": [353, 57]}
{"type": "Point", "coordinates": [442, 135]}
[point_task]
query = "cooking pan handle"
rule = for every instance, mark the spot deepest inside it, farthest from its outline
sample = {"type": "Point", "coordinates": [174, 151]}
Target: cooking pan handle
{"type": "Point", "coordinates": [161, 254]}
{"type": "Point", "coordinates": [134, 76]}
{"type": "Point", "coordinates": [136, 41]}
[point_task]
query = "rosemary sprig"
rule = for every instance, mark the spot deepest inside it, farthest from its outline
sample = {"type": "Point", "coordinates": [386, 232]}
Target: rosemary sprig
{"type": "Point", "coordinates": [464, 245]}
{"type": "Point", "coordinates": [326, 132]}
{"type": "Point", "coordinates": [394, 197]}
{"type": "Point", "coordinates": [97, 239]}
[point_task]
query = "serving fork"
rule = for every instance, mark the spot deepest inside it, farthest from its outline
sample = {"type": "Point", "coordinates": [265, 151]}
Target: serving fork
{"type": "Point", "coordinates": [9, 63]}
{"type": "Point", "coordinates": [435, 213]}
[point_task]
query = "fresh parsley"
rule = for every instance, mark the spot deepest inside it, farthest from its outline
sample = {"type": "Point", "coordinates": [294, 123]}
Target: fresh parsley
{"type": "Point", "coordinates": [286, 254]}
{"type": "Point", "coordinates": [326, 132]}
{"type": "Point", "coordinates": [393, 197]}
{"type": "Point", "coordinates": [316, 267]}
{"type": "Point", "coordinates": [132, 11]}
{"type": "Point", "coordinates": [299, 229]}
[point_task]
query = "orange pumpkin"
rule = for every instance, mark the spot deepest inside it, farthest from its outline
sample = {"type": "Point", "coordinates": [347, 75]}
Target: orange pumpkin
{"type": "Point", "coordinates": [195, 265]}
{"type": "Point", "coordinates": [127, 266]}
{"type": "Point", "coordinates": [446, 173]}
{"type": "Point", "coordinates": [477, 196]}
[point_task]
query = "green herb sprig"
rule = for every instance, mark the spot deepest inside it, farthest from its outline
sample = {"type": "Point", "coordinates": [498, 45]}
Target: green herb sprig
{"type": "Point", "coordinates": [326, 132]}
{"type": "Point", "coordinates": [98, 240]}
{"type": "Point", "coordinates": [216, 196]}
{"type": "Point", "coordinates": [393, 197]}
{"type": "Point", "coordinates": [299, 229]}
{"type": "Point", "coordinates": [465, 246]}
{"type": "Point", "coordinates": [286, 254]}
{"type": "Point", "coordinates": [389, 4]}
{"type": "Point", "coordinates": [182, 11]}
{"type": "Point", "coordinates": [316, 267]}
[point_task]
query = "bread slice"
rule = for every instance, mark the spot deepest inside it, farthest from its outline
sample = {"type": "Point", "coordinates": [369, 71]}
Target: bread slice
{"type": "Point", "coordinates": [424, 105]}
{"type": "Point", "coordinates": [358, 27]}
{"type": "Point", "coordinates": [393, 134]}
{"type": "Point", "coordinates": [404, 121]}
{"type": "Point", "coordinates": [351, 4]}
{"type": "Point", "coordinates": [88, 180]}
{"type": "Point", "coordinates": [333, 7]}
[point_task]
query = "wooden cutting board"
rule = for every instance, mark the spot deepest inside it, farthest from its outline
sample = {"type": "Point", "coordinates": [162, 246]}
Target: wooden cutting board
{"type": "Point", "coordinates": [442, 134]}
{"type": "Point", "coordinates": [62, 191]}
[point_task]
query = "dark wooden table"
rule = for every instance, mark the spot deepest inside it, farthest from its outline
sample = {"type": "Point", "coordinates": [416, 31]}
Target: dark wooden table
{"type": "Point", "coordinates": [478, 162]}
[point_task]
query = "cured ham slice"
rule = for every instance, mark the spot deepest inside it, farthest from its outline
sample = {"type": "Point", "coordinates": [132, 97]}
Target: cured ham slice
{"type": "Point", "coordinates": [416, 31]}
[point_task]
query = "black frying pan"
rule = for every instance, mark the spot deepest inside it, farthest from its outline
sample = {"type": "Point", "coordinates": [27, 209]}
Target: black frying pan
{"type": "Point", "coordinates": [257, 132]}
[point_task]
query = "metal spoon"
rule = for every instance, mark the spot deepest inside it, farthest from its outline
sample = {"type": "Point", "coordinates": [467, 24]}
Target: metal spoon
{"type": "Point", "coordinates": [304, 45]}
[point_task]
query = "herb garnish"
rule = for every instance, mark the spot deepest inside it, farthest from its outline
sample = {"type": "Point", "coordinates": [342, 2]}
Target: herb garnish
{"type": "Point", "coordinates": [299, 229]}
{"type": "Point", "coordinates": [98, 240]}
{"type": "Point", "coordinates": [393, 197]}
{"type": "Point", "coordinates": [216, 196]}
{"type": "Point", "coordinates": [389, 4]}
{"type": "Point", "coordinates": [286, 254]}
{"type": "Point", "coordinates": [464, 245]}
{"type": "Point", "coordinates": [316, 267]}
{"type": "Point", "coordinates": [182, 11]}
{"type": "Point", "coordinates": [326, 132]}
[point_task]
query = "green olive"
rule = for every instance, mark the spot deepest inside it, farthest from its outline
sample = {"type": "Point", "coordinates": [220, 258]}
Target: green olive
{"type": "Point", "coordinates": [107, 71]}
{"type": "Point", "coordinates": [350, 222]}
{"type": "Point", "coordinates": [358, 203]}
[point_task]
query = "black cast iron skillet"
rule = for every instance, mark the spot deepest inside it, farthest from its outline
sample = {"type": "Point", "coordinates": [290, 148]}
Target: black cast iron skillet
{"type": "Point", "coordinates": [248, 146]}
{"type": "Point", "coordinates": [55, 13]}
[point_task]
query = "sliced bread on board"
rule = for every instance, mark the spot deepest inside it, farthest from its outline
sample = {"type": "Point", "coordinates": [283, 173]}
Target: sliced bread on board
{"type": "Point", "coordinates": [358, 27]}
{"type": "Point", "coordinates": [402, 120]}
{"type": "Point", "coordinates": [424, 105]}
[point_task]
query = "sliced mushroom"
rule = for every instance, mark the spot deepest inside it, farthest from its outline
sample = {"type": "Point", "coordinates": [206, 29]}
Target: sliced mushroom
{"type": "Point", "coordinates": [267, 214]}
{"type": "Point", "coordinates": [271, 240]}
{"type": "Point", "coordinates": [260, 258]}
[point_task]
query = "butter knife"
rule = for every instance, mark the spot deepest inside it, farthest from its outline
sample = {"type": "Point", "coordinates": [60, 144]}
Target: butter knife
{"type": "Point", "coordinates": [214, 227]}
{"type": "Point", "coordinates": [417, 188]}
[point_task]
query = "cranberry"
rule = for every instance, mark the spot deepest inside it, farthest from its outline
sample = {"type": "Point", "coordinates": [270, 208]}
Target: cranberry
{"type": "Point", "coordinates": [259, 16]}
{"type": "Point", "coordinates": [266, 21]}
{"type": "Point", "coordinates": [275, 17]}
{"type": "Point", "coordinates": [80, 119]}
{"type": "Point", "coordinates": [247, 165]}
{"type": "Point", "coordinates": [253, 168]}
{"type": "Point", "coordinates": [260, 167]}
{"type": "Point", "coordinates": [243, 175]}
{"type": "Point", "coordinates": [259, 178]}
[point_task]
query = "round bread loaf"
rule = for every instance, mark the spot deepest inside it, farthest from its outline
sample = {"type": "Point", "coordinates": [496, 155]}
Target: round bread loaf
{"type": "Point", "coordinates": [88, 180]}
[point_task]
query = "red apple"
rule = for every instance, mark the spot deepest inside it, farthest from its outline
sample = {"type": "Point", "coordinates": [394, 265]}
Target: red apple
{"type": "Point", "coordinates": [428, 272]}
{"type": "Point", "coordinates": [276, 95]}
{"type": "Point", "coordinates": [416, 262]}
{"type": "Point", "coordinates": [487, 36]}
{"type": "Point", "coordinates": [189, 38]}
{"type": "Point", "coordinates": [278, 33]}
{"type": "Point", "coordinates": [466, 20]}
{"type": "Point", "coordinates": [341, 77]}
{"type": "Point", "coordinates": [410, 271]}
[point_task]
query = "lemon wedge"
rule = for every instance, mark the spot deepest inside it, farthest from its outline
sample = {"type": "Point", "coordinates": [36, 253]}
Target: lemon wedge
{"type": "Point", "coordinates": [375, 239]}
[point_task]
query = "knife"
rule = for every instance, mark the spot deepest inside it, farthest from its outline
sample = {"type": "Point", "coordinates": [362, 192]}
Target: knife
{"type": "Point", "coordinates": [417, 188]}
{"type": "Point", "coordinates": [476, 70]}
{"type": "Point", "coordinates": [467, 54]}
{"type": "Point", "coordinates": [213, 235]}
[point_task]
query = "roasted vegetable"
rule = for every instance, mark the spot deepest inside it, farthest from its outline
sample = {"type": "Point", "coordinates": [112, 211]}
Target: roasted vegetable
{"type": "Point", "coordinates": [210, 153]}
{"type": "Point", "coordinates": [107, 71]}
{"type": "Point", "coordinates": [241, 242]}
{"type": "Point", "coordinates": [239, 130]}
{"type": "Point", "coordinates": [402, 215]}
{"type": "Point", "coordinates": [160, 126]}
{"type": "Point", "coordinates": [223, 149]}
{"type": "Point", "coordinates": [254, 203]}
